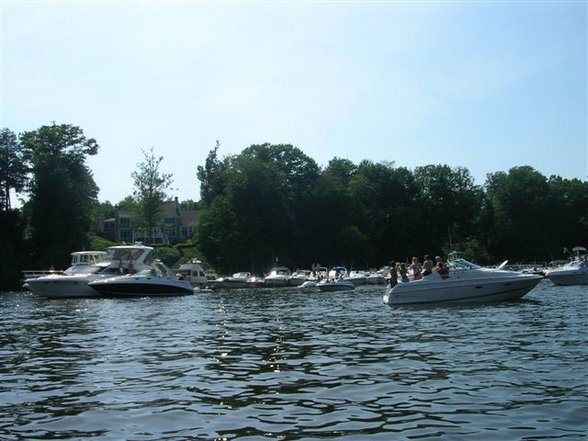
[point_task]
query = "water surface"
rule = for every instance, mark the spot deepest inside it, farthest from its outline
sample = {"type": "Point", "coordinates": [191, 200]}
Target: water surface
{"type": "Point", "coordinates": [282, 365]}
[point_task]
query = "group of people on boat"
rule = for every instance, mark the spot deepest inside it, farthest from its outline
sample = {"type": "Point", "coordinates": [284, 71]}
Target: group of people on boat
{"type": "Point", "coordinates": [400, 272]}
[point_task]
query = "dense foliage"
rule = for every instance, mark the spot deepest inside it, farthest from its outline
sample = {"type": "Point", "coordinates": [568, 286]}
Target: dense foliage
{"type": "Point", "coordinates": [273, 204]}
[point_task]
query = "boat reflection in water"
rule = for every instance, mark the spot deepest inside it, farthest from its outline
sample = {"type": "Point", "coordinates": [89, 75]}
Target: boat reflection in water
{"type": "Point", "coordinates": [465, 283]}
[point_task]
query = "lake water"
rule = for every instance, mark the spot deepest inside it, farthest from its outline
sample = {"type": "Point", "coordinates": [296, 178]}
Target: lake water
{"type": "Point", "coordinates": [282, 365]}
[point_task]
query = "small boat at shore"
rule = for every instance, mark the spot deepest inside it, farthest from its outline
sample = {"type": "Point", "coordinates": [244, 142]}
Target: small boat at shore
{"type": "Point", "coordinates": [465, 283]}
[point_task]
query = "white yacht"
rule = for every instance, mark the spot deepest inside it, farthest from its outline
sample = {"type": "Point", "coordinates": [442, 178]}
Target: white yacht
{"type": "Point", "coordinates": [80, 261]}
{"type": "Point", "coordinates": [464, 283]}
{"type": "Point", "coordinates": [119, 259]}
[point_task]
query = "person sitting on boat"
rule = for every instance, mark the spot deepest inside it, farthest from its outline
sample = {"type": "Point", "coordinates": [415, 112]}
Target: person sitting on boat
{"type": "Point", "coordinates": [416, 269]}
{"type": "Point", "coordinates": [427, 265]}
{"type": "Point", "coordinates": [442, 270]}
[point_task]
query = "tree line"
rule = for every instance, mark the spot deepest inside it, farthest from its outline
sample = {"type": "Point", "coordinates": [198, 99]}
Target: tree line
{"type": "Point", "coordinates": [273, 204]}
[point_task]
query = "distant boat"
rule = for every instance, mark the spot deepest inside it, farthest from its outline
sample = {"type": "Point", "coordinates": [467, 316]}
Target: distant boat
{"type": "Point", "coordinates": [357, 276]}
{"type": "Point", "coordinates": [572, 273]}
{"type": "Point", "coordinates": [331, 285]}
{"type": "Point", "coordinates": [278, 277]}
{"type": "Point", "coordinates": [241, 279]}
{"type": "Point", "coordinates": [196, 272]}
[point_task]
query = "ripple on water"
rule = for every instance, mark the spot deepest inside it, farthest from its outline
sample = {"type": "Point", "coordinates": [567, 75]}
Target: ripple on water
{"type": "Point", "coordinates": [285, 365]}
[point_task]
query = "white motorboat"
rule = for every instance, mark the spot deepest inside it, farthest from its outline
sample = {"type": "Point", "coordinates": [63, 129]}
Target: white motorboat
{"type": "Point", "coordinates": [572, 273]}
{"type": "Point", "coordinates": [329, 285]}
{"type": "Point", "coordinates": [196, 272]}
{"type": "Point", "coordinates": [73, 282]}
{"type": "Point", "coordinates": [158, 281]}
{"type": "Point", "coordinates": [378, 277]}
{"type": "Point", "coordinates": [465, 283]}
{"type": "Point", "coordinates": [300, 276]}
{"type": "Point", "coordinates": [278, 277]}
{"type": "Point", "coordinates": [241, 279]}
{"type": "Point", "coordinates": [357, 276]}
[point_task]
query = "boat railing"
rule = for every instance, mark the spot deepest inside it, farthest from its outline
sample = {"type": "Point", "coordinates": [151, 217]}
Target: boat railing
{"type": "Point", "coordinates": [33, 274]}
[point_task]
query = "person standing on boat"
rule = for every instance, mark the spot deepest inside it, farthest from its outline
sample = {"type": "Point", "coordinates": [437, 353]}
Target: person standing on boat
{"type": "Point", "coordinates": [403, 273]}
{"type": "Point", "coordinates": [393, 275]}
{"type": "Point", "coordinates": [416, 269]}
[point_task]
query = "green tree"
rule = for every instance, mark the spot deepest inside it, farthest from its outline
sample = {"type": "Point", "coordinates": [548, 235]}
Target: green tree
{"type": "Point", "coordinates": [252, 203]}
{"type": "Point", "coordinates": [13, 167]}
{"type": "Point", "coordinates": [150, 192]}
{"type": "Point", "coordinates": [211, 177]}
{"type": "Point", "coordinates": [450, 203]}
{"type": "Point", "coordinates": [519, 203]}
{"type": "Point", "coordinates": [62, 192]}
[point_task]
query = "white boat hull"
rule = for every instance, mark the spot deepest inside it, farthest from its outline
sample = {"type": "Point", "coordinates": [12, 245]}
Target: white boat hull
{"type": "Point", "coordinates": [456, 290]}
{"type": "Point", "coordinates": [61, 287]}
{"type": "Point", "coordinates": [568, 277]}
{"type": "Point", "coordinates": [340, 285]}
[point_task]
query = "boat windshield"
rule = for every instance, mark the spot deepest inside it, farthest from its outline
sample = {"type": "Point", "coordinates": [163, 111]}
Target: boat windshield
{"type": "Point", "coordinates": [462, 265]}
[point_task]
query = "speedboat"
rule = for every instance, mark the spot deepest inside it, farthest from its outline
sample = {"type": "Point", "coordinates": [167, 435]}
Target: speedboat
{"type": "Point", "coordinates": [119, 259]}
{"type": "Point", "coordinates": [279, 276]}
{"type": "Point", "coordinates": [357, 276]}
{"type": "Point", "coordinates": [299, 277]}
{"type": "Point", "coordinates": [158, 281]}
{"type": "Point", "coordinates": [340, 284]}
{"type": "Point", "coordinates": [196, 272]}
{"type": "Point", "coordinates": [572, 273]}
{"type": "Point", "coordinates": [466, 282]}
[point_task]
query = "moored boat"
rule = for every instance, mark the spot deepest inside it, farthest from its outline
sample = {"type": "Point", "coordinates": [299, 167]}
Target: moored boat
{"type": "Point", "coordinates": [196, 272]}
{"type": "Point", "coordinates": [278, 277]}
{"type": "Point", "coordinates": [572, 273]}
{"type": "Point", "coordinates": [158, 281]}
{"type": "Point", "coordinates": [119, 259]}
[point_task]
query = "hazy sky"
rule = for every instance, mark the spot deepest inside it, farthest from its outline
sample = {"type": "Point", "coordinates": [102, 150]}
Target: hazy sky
{"type": "Point", "coordinates": [487, 85]}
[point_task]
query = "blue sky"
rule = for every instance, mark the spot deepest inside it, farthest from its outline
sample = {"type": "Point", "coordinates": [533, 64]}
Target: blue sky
{"type": "Point", "coordinates": [487, 85]}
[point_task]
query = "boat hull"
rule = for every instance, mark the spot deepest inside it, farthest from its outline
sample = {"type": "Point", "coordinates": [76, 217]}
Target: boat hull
{"type": "Point", "coordinates": [142, 287]}
{"type": "Point", "coordinates": [335, 286]}
{"type": "Point", "coordinates": [61, 287]}
{"type": "Point", "coordinates": [567, 278]}
{"type": "Point", "coordinates": [447, 291]}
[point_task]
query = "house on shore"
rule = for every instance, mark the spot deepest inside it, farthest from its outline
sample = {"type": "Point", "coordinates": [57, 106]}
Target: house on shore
{"type": "Point", "coordinates": [177, 225]}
